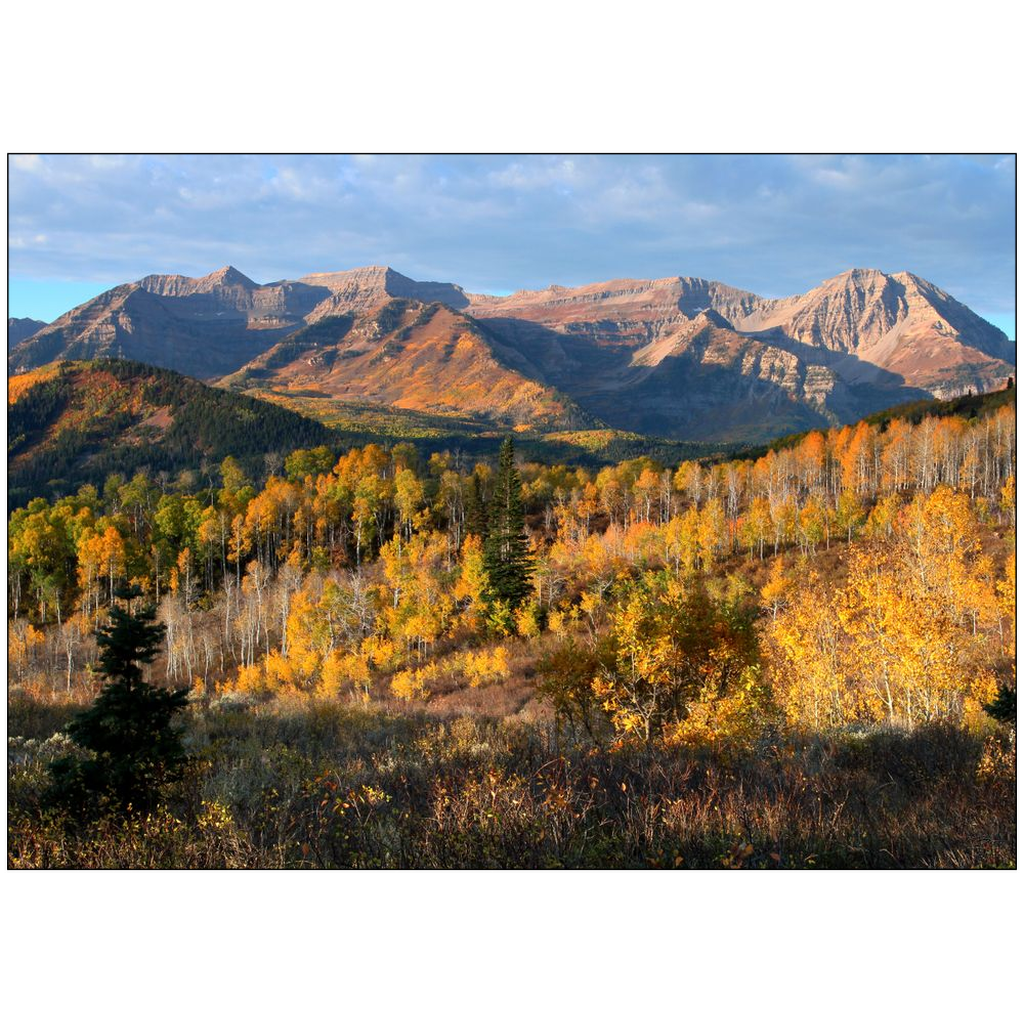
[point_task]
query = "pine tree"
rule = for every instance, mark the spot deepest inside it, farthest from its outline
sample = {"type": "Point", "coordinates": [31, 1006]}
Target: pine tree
{"type": "Point", "coordinates": [1004, 707]}
{"type": "Point", "coordinates": [507, 557]}
{"type": "Point", "coordinates": [476, 509]}
{"type": "Point", "coordinates": [128, 728]}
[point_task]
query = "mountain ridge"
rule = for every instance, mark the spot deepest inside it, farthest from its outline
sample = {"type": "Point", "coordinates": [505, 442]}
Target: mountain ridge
{"type": "Point", "coordinates": [21, 328]}
{"type": "Point", "coordinates": [688, 357]}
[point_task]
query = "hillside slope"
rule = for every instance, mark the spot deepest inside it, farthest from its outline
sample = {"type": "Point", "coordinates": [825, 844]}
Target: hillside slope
{"type": "Point", "coordinates": [75, 423]}
{"type": "Point", "coordinates": [413, 356]}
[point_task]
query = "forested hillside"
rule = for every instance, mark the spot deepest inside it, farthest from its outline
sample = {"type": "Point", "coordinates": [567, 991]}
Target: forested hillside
{"type": "Point", "coordinates": [75, 423]}
{"type": "Point", "coordinates": [399, 660]}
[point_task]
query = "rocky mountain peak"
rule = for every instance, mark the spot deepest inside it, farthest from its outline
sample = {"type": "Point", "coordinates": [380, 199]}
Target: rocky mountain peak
{"type": "Point", "coordinates": [178, 285]}
{"type": "Point", "coordinates": [227, 276]}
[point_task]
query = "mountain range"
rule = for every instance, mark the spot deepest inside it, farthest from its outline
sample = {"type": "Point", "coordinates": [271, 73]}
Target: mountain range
{"type": "Point", "coordinates": [680, 357]}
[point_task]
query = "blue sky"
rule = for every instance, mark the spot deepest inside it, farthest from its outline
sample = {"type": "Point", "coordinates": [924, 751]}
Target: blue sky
{"type": "Point", "coordinates": [773, 224]}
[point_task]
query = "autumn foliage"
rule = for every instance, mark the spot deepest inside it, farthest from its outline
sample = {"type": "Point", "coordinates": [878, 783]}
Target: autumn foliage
{"type": "Point", "coordinates": [861, 579]}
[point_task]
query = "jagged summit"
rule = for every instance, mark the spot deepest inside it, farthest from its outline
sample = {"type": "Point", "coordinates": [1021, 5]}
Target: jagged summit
{"type": "Point", "coordinates": [229, 275]}
{"type": "Point", "coordinates": [899, 323]}
{"type": "Point", "coordinates": [180, 285]}
{"type": "Point", "coordinates": [856, 274]}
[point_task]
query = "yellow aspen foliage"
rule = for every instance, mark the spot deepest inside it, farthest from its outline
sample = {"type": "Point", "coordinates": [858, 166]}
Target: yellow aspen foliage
{"type": "Point", "coordinates": [471, 585]}
{"type": "Point", "coordinates": [379, 651]}
{"type": "Point", "coordinates": [183, 576]}
{"type": "Point", "coordinates": [645, 491]}
{"type": "Point", "coordinates": [310, 640]}
{"type": "Point", "coordinates": [849, 516]}
{"type": "Point", "coordinates": [249, 679]}
{"type": "Point", "coordinates": [486, 666]}
{"type": "Point", "coordinates": [341, 672]}
{"type": "Point", "coordinates": [984, 690]}
{"type": "Point", "coordinates": [408, 501]}
{"type": "Point", "coordinates": [592, 605]}
{"type": "Point", "coordinates": [22, 639]}
{"type": "Point", "coordinates": [777, 588]}
{"type": "Point", "coordinates": [808, 671]}
{"type": "Point", "coordinates": [688, 480]}
{"type": "Point", "coordinates": [905, 638]}
{"type": "Point", "coordinates": [557, 622]}
{"type": "Point", "coordinates": [527, 618]}
{"type": "Point", "coordinates": [418, 592]}
{"type": "Point", "coordinates": [1007, 590]}
{"type": "Point", "coordinates": [671, 650]}
{"type": "Point", "coordinates": [882, 519]}
{"type": "Point", "coordinates": [756, 525]}
{"type": "Point", "coordinates": [500, 621]}
{"type": "Point", "coordinates": [210, 528]}
{"type": "Point", "coordinates": [333, 677]}
{"type": "Point", "coordinates": [737, 716]}
{"type": "Point", "coordinates": [922, 609]}
{"type": "Point", "coordinates": [812, 524]}
{"type": "Point", "coordinates": [1008, 499]}
{"type": "Point", "coordinates": [642, 542]}
{"type": "Point", "coordinates": [101, 562]}
{"type": "Point", "coordinates": [784, 517]}
{"type": "Point", "coordinates": [409, 684]}
{"type": "Point", "coordinates": [711, 533]}
{"type": "Point", "coordinates": [280, 672]}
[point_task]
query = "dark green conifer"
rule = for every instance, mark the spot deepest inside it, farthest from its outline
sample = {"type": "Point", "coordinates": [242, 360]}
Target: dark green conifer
{"type": "Point", "coordinates": [1004, 707]}
{"type": "Point", "coordinates": [135, 750]}
{"type": "Point", "coordinates": [476, 509]}
{"type": "Point", "coordinates": [507, 557]}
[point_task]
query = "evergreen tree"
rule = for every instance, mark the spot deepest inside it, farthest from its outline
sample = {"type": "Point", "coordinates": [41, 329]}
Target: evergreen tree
{"type": "Point", "coordinates": [476, 509]}
{"type": "Point", "coordinates": [1004, 707]}
{"type": "Point", "coordinates": [128, 728]}
{"type": "Point", "coordinates": [507, 557]}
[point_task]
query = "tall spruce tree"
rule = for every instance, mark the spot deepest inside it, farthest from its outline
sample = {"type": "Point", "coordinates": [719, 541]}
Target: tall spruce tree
{"type": "Point", "coordinates": [128, 728]}
{"type": "Point", "coordinates": [476, 509]}
{"type": "Point", "coordinates": [507, 557]}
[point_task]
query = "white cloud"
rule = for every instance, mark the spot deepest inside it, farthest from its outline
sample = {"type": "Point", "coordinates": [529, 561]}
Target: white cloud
{"type": "Point", "coordinates": [27, 162]}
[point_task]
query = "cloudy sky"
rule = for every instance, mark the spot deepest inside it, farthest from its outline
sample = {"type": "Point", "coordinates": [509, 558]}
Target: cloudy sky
{"type": "Point", "coordinates": [774, 225]}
